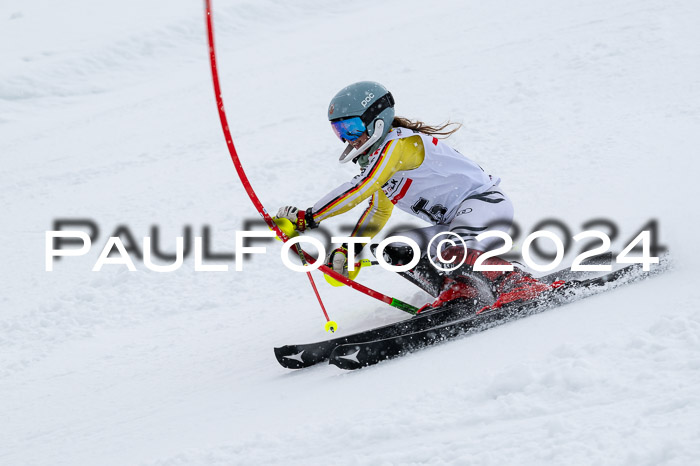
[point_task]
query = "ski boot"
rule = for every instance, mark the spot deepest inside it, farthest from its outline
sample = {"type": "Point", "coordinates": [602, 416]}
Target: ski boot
{"type": "Point", "coordinates": [423, 275]}
{"type": "Point", "coordinates": [472, 288]}
{"type": "Point", "coordinates": [506, 286]}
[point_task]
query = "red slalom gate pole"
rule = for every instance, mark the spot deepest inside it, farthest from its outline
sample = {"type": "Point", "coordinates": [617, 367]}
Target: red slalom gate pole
{"type": "Point", "coordinates": [256, 201]}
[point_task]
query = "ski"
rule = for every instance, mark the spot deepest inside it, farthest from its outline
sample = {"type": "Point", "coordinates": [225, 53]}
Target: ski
{"type": "Point", "coordinates": [305, 355]}
{"type": "Point", "coordinates": [355, 355]}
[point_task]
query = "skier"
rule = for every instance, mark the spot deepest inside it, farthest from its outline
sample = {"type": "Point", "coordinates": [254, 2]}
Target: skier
{"type": "Point", "coordinates": [404, 164]}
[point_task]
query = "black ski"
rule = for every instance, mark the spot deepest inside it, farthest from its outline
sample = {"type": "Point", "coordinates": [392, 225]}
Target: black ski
{"type": "Point", "coordinates": [300, 356]}
{"type": "Point", "coordinates": [354, 355]}
{"type": "Point", "coordinates": [305, 355]}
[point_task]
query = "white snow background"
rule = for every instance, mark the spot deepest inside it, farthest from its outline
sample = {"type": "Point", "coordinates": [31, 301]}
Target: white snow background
{"type": "Point", "coordinates": [585, 109]}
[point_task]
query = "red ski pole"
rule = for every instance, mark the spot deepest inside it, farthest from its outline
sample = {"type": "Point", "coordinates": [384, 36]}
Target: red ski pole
{"type": "Point", "coordinates": [261, 209]}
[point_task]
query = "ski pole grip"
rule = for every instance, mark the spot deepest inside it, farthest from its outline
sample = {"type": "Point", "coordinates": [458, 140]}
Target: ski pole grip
{"type": "Point", "coordinates": [398, 304]}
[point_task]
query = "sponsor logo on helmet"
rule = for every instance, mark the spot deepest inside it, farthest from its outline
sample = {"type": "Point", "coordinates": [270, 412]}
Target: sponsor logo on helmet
{"type": "Point", "coordinates": [331, 109]}
{"type": "Point", "coordinates": [368, 99]}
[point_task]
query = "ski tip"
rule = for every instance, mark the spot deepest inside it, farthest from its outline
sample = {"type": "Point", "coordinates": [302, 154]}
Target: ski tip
{"type": "Point", "coordinates": [307, 355]}
{"type": "Point", "coordinates": [290, 357]}
{"type": "Point", "coordinates": [346, 357]}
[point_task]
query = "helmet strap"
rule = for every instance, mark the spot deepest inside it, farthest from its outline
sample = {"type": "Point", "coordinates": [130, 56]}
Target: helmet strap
{"type": "Point", "coordinates": [350, 152]}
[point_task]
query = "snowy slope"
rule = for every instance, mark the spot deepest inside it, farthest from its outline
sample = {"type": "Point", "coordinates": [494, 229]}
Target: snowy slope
{"type": "Point", "coordinates": [585, 109]}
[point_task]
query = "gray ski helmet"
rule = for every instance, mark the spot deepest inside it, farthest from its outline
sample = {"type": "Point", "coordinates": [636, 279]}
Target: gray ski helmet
{"type": "Point", "coordinates": [368, 100]}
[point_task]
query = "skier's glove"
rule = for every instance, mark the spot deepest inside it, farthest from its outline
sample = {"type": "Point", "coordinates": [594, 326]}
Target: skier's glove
{"type": "Point", "coordinates": [294, 215]}
{"type": "Point", "coordinates": [338, 261]}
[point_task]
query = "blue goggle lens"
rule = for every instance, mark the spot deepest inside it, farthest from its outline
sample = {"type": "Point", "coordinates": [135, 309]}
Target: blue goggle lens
{"type": "Point", "coordinates": [350, 129]}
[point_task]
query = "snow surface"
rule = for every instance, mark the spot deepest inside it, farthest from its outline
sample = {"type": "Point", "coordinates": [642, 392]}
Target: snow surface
{"type": "Point", "coordinates": [585, 108]}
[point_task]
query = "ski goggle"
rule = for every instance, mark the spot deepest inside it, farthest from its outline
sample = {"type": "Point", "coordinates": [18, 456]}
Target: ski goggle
{"type": "Point", "coordinates": [350, 129]}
